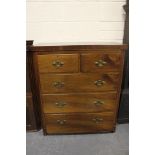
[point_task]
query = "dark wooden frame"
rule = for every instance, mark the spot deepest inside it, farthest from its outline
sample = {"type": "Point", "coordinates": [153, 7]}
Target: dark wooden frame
{"type": "Point", "coordinates": [32, 100]}
{"type": "Point", "coordinates": [123, 115]}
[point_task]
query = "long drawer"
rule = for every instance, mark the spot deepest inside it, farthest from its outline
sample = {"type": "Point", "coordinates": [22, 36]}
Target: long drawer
{"type": "Point", "coordinates": [83, 102]}
{"type": "Point", "coordinates": [79, 123]}
{"type": "Point", "coordinates": [81, 82]}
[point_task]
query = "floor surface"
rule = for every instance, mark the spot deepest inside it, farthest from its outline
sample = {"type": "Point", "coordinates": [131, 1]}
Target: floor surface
{"type": "Point", "coordinates": [89, 144]}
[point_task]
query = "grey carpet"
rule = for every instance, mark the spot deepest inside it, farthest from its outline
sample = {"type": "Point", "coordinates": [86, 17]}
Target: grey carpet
{"type": "Point", "coordinates": [89, 144]}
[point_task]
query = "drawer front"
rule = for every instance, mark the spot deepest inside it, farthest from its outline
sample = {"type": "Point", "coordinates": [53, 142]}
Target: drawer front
{"type": "Point", "coordinates": [58, 63]}
{"type": "Point", "coordinates": [97, 62]}
{"type": "Point", "coordinates": [79, 123]}
{"type": "Point", "coordinates": [92, 102]}
{"type": "Point", "coordinates": [62, 83]}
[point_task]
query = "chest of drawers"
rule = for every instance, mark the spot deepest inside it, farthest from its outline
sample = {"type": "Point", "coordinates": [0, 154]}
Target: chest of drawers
{"type": "Point", "coordinates": [79, 87]}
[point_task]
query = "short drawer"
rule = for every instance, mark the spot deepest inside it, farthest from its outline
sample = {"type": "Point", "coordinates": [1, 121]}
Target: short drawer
{"type": "Point", "coordinates": [79, 123]}
{"type": "Point", "coordinates": [58, 63]}
{"type": "Point", "coordinates": [90, 102]}
{"type": "Point", "coordinates": [69, 83]}
{"type": "Point", "coordinates": [97, 62]}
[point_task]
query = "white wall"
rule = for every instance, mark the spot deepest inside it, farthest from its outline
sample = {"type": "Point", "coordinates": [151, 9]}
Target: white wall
{"type": "Point", "coordinates": [75, 20]}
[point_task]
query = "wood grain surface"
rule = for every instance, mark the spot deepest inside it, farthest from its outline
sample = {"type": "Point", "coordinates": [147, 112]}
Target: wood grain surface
{"type": "Point", "coordinates": [75, 103]}
{"type": "Point", "coordinates": [78, 82]}
{"type": "Point", "coordinates": [79, 123]}
{"type": "Point", "coordinates": [68, 63]}
{"type": "Point", "coordinates": [100, 62]}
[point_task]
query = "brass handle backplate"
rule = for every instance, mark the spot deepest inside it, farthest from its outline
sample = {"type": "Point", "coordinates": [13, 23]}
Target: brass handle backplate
{"type": "Point", "coordinates": [97, 120]}
{"type": "Point", "coordinates": [61, 122]}
{"type": "Point", "coordinates": [100, 63]}
{"type": "Point", "coordinates": [98, 103]}
{"type": "Point", "coordinates": [58, 84]}
{"type": "Point", "coordinates": [57, 63]}
{"type": "Point", "coordinates": [99, 83]}
{"type": "Point", "coordinates": [60, 104]}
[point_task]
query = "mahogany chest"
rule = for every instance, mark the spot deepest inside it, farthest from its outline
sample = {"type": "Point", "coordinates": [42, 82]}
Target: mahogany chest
{"type": "Point", "coordinates": [79, 87]}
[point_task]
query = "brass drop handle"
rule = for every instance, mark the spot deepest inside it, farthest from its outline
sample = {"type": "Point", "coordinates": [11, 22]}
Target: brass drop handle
{"type": "Point", "coordinates": [99, 83]}
{"type": "Point", "coordinates": [58, 84]}
{"type": "Point", "coordinates": [57, 63]}
{"type": "Point", "coordinates": [100, 63]}
{"type": "Point", "coordinates": [61, 122]}
{"type": "Point", "coordinates": [98, 103]}
{"type": "Point", "coordinates": [97, 120]}
{"type": "Point", "coordinates": [60, 104]}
